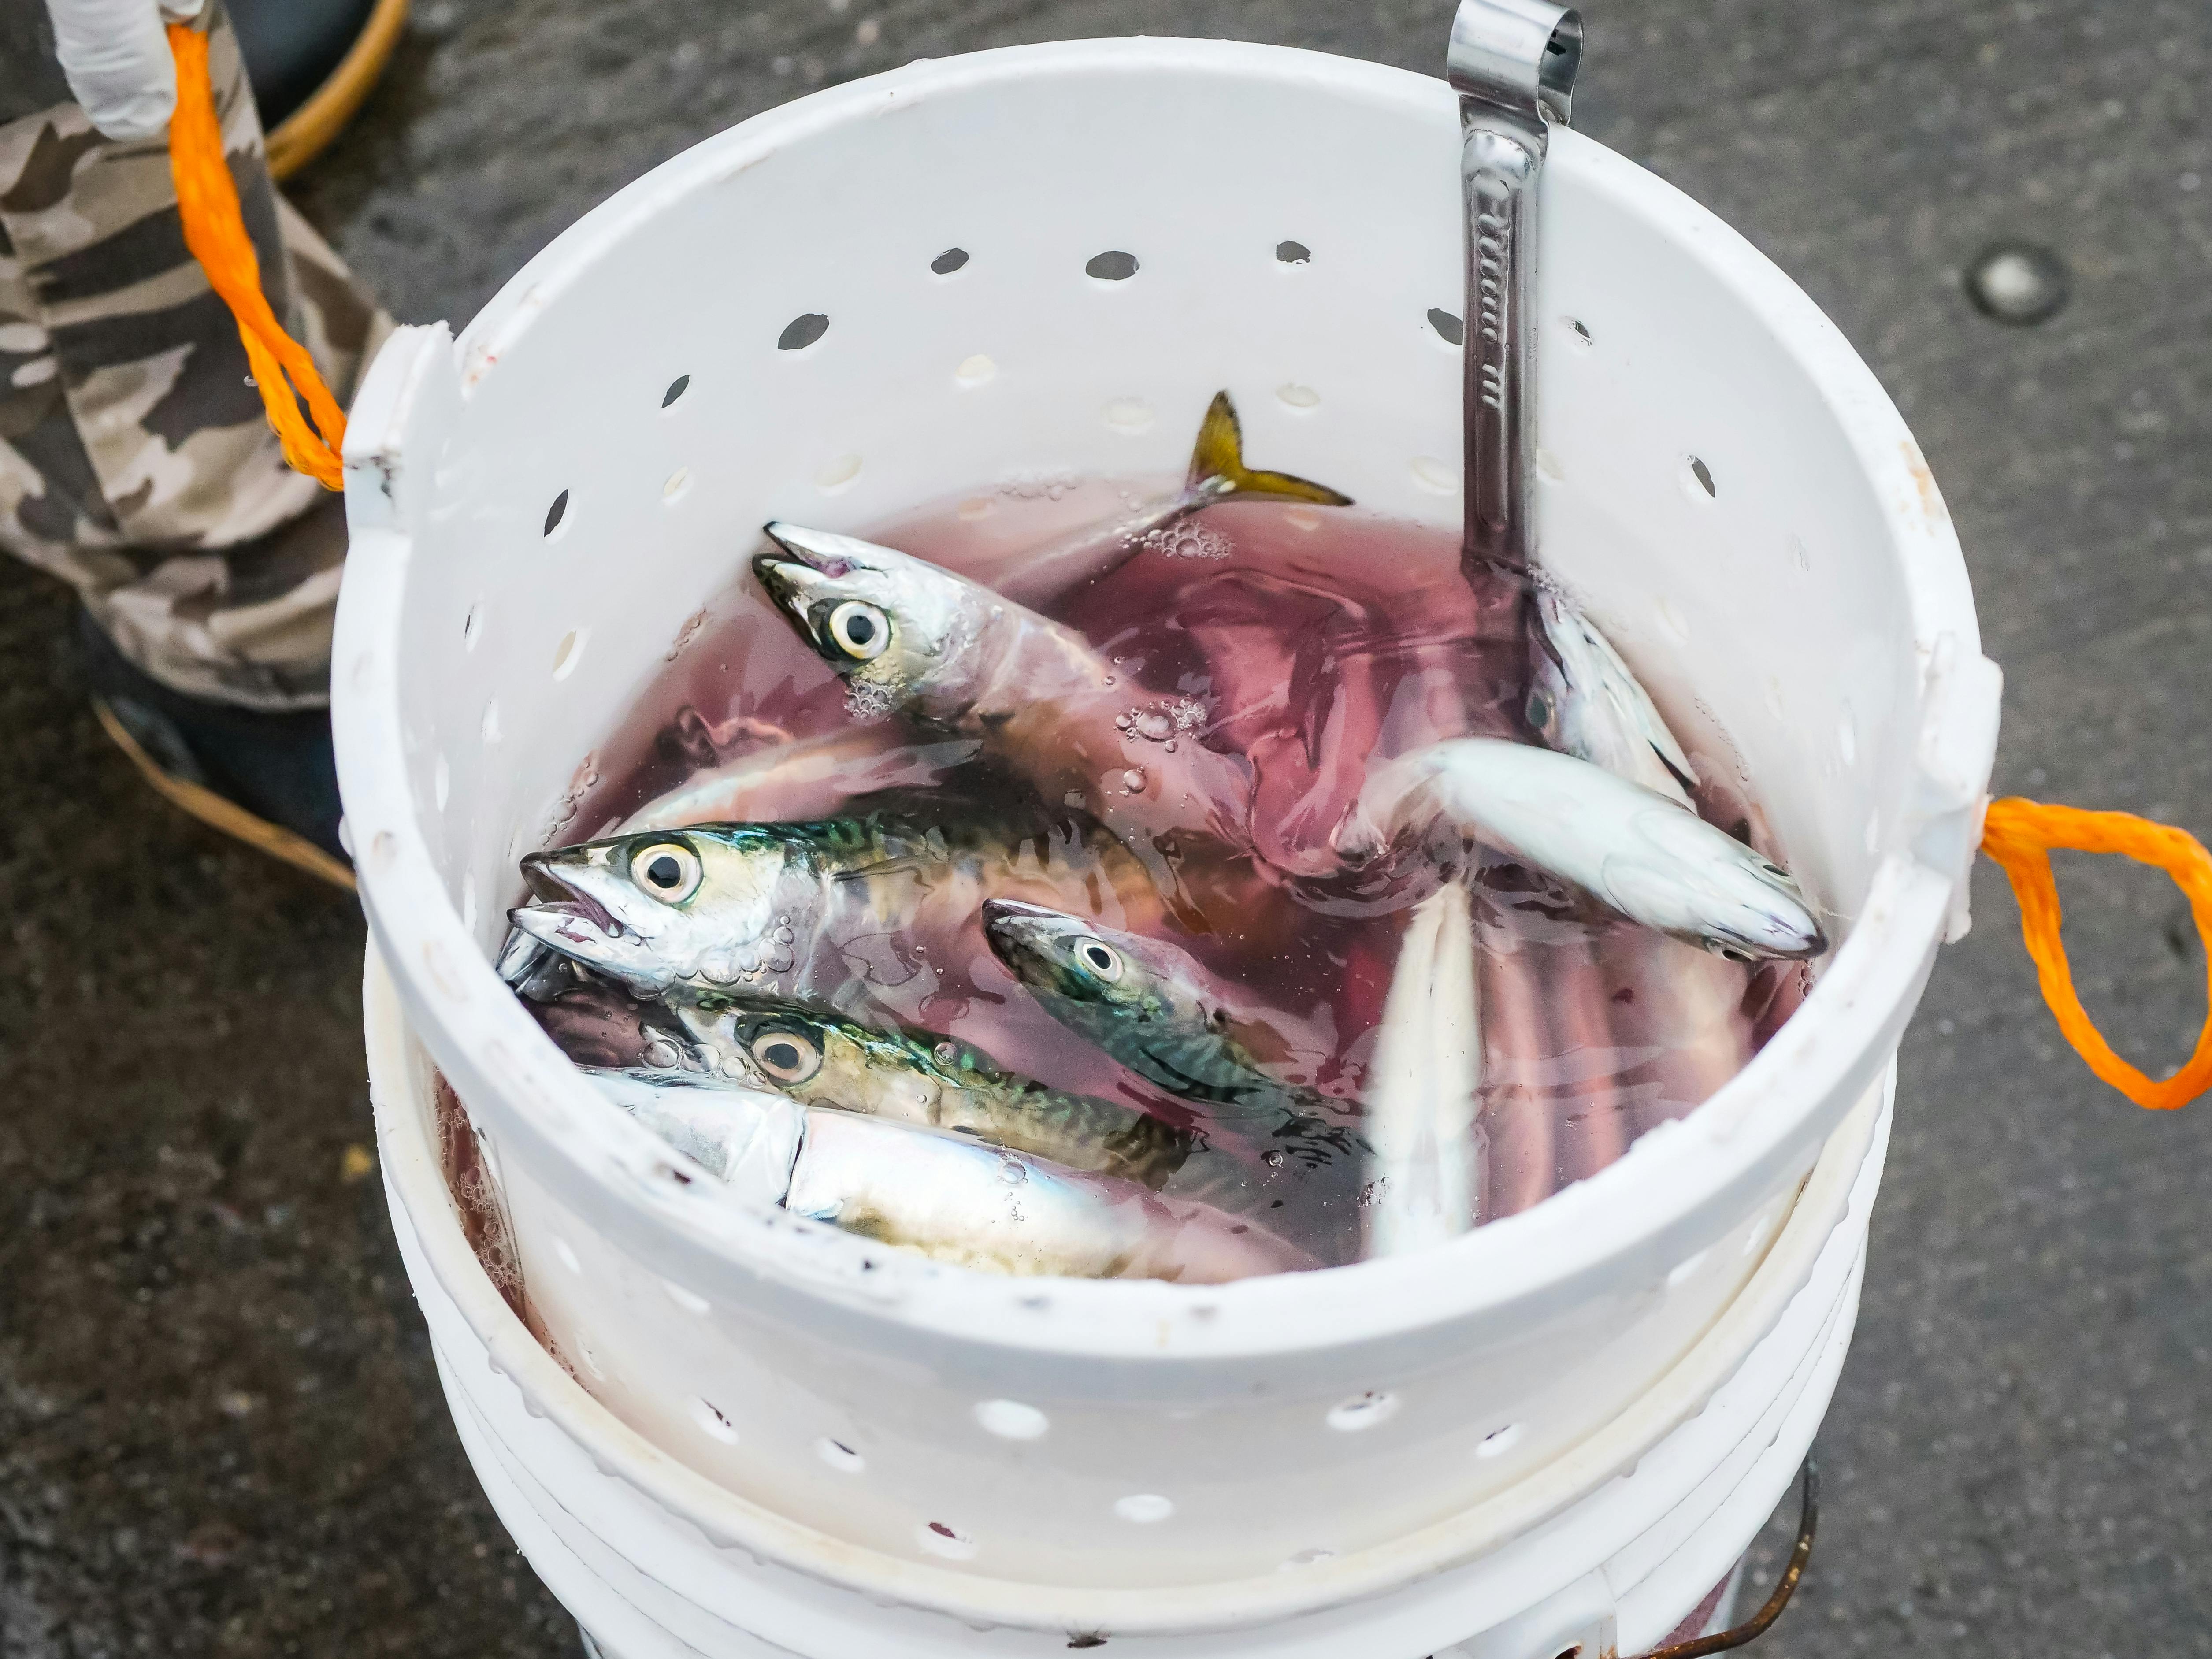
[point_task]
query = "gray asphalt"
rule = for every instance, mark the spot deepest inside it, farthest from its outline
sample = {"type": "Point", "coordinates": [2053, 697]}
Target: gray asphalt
{"type": "Point", "coordinates": [220, 1433]}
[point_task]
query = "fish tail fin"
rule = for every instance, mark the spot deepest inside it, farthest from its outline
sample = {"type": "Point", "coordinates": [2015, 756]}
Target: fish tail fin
{"type": "Point", "coordinates": [1217, 469]}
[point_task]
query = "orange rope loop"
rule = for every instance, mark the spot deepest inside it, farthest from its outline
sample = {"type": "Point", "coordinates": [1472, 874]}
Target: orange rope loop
{"type": "Point", "coordinates": [2019, 834]}
{"type": "Point", "coordinates": [214, 231]}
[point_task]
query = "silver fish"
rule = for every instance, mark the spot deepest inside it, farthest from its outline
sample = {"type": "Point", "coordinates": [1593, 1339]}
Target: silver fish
{"type": "Point", "coordinates": [921, 1078]}
{"type": "Point", "coordinates": [796, 908]}
{"type": "Point", "coordinates": [749, 1138]}
{"type": "Point", "coordinates": [943, 1195]}
{"type": "Point", "coordinates": [822, 1059]}
{"type": "Point", "coordinates": [807, 778]}
{"type": "Point", "coordinates": [1588, 703]}
{"type": "Point", "coordinates": [532, 968]}
{"type": "Point", "coordinates": [1154, 1007]}
{"type": "Point", "coordinates": [1217, 472]}
{"type": "Point", "coordinates": [1646, 856]}
{"type": "Point", "coordinates": [912, 638]}
{"type": "Point", "coordinates": [1423, 1087]}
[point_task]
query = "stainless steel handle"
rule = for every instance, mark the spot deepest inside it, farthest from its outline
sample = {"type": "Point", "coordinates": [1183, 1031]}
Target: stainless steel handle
{"type": "Point", "coordinates": [1513, 63]}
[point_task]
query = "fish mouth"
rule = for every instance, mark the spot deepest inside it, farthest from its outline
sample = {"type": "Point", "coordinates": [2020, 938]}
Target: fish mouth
{"type": "Point", "coordinates": [824, 552]}
{"type": "Point", "coordinates": [558, 904]}
{"type": "Point", "coordinates": [798, 574]}
{"type": "Point", "coordinates": [1019, 933]}
{"type": "Point", "coordinates": [1015, 919]}
{"type": "Point", "coordinates": [783, 582]}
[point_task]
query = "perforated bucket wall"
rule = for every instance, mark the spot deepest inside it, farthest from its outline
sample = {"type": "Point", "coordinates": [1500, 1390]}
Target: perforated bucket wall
{"type": "Point", "coordinates": [772, 324]}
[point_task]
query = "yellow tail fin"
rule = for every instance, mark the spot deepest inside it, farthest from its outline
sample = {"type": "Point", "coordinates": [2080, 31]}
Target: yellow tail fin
{"type": "Point", "coordinates": [1217, 469]}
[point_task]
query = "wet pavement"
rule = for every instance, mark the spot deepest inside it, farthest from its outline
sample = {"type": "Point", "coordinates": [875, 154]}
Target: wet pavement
{"type": "Point", "coordinates": [220, 1433]}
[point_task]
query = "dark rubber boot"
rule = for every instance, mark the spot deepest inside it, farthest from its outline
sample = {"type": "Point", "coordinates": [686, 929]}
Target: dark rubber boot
{"type": "Point", "coordinates": [311, 64]}
{"type": "Point", "coordinates": [268, 779]}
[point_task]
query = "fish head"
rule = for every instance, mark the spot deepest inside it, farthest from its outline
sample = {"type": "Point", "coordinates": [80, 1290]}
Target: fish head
{"type": "Point", "coordinates": [895, 627]}
{"type": "Point", "coordinates": [1585, 701]}
{"type": "Point", "coordinates": [1554, 663]}
{"type": "Point", "coordinates": [665, 909]}
{"type": "Point", "coordinates": [1749, 908]}
{"type": "Point", "coordinates": [747, 1137]}
{"type": "Point", "coordinates": [812, 1056]}
{"type": "Point", "coordinates": [1068, 960]}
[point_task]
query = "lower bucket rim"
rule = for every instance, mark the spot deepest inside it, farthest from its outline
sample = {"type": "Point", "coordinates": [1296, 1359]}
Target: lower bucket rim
{"type": "Point", "coordinates": [416, 1190]}
{"type": "Point", "coordinates": [1665, 1199]}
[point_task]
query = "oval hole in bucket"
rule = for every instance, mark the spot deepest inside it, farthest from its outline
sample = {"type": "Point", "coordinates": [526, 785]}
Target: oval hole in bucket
{"type": "Point", "coordinates": [1701, 476]}
{"type": "Point", "coordinates": [569, 651]}
{"type": "Point", "coordinates": [939, 1538]}
{"type": "Point", "coordinates": [555, 513]}
{"type": "Point", "coordinates": [840, 1457]}
{"type": "Point", "coordinates": [1010, 1419]}
{"type": "Point", "coordinates": [801, 332]}
{"type": "Point", "coordinates": [708, 1417]}
{"type": "Point", "coordinates": [1581, 331]}
{"type": "Point", "coordinates": [948, 261]}
{"type": "Point", "coordinates": [1293, 253]}
{"type": "Point", "coordinates": [1448, 326]}
{"type": "Point", "coordinates": [1144, 1509]}
{"type": "Point", "coordinates": [1111, 266]}
{"type": "Point", "coordinates": [1499, 1442]}
{"type": "Point", "coordinates": [1366, 1411]}
{"type": "Point", "coordinates": [677, 388]}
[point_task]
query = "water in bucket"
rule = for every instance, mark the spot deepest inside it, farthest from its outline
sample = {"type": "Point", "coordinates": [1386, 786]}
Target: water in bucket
{"type": "Point", "coordinates": [1194, 992]}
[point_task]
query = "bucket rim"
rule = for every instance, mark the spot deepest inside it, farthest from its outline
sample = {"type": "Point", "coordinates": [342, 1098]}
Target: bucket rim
{"type": "Point", "coordinates": [1623, 1228]}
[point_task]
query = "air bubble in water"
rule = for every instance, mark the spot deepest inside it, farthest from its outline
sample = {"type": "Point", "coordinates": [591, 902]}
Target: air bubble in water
{"type": "Point", "coordinates": [1013, 1171]}
{"type": "Point", "coordinates": [1187, 540]}
{"type": "Point", "coordinates": [946, 1052]}
{"type": "Point", "coordinates": [1275, 1158]}
{"type": "Point", "coordinates": [1134, 780]}
{"type": "Point", "coordinates": [1162, 721]}
{"type": "Point", "coordinates": [867, 701]}
{"type": "Point", "coordinates": [1035, 486]}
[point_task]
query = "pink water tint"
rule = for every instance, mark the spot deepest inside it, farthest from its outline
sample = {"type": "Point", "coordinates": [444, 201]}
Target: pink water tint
{"type": "Point", "coordinates": [1309, 642]}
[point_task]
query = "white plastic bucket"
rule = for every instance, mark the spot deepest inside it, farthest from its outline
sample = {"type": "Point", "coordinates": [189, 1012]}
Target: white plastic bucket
{"type": "Point", "coordinates": [1419, 1449]}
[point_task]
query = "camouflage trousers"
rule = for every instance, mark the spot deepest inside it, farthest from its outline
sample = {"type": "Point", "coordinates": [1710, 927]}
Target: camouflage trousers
{"type": "Point", "coordinates": [136, 461]}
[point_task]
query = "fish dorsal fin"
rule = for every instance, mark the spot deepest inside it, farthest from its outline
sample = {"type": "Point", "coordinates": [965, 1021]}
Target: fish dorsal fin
{"type": "Point", "coordinates": [1217, 469]}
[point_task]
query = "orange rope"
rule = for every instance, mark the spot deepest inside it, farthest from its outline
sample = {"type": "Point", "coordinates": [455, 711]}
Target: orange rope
{"type": "Point", "coordinates": [214, 231]}
{"type": "Point", "coordinates": [2019, 834]}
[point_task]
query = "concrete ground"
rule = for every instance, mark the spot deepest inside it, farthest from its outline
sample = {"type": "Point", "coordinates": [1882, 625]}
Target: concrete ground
{"type": "Point", "coordinates": [219, 1430]}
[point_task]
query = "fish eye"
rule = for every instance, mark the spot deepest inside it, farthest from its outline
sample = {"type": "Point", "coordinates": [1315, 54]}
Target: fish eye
{"type": "Point", "coordinates": [667, 869]}
{"type": "Point", "coordinates": [1101, 958]}
{"type": "Point", "coordinates": [859, 630]}
{"type": "Point", "coordinates": [787, 1056]}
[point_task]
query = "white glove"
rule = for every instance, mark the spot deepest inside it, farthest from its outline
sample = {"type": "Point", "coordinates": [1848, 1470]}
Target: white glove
{"type": "Point", "coordinates": [118, 61]}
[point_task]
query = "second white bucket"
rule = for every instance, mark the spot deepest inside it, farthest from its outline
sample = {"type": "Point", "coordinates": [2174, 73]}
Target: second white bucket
{"type": "Point", "coordinates": [1397, 1450]}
